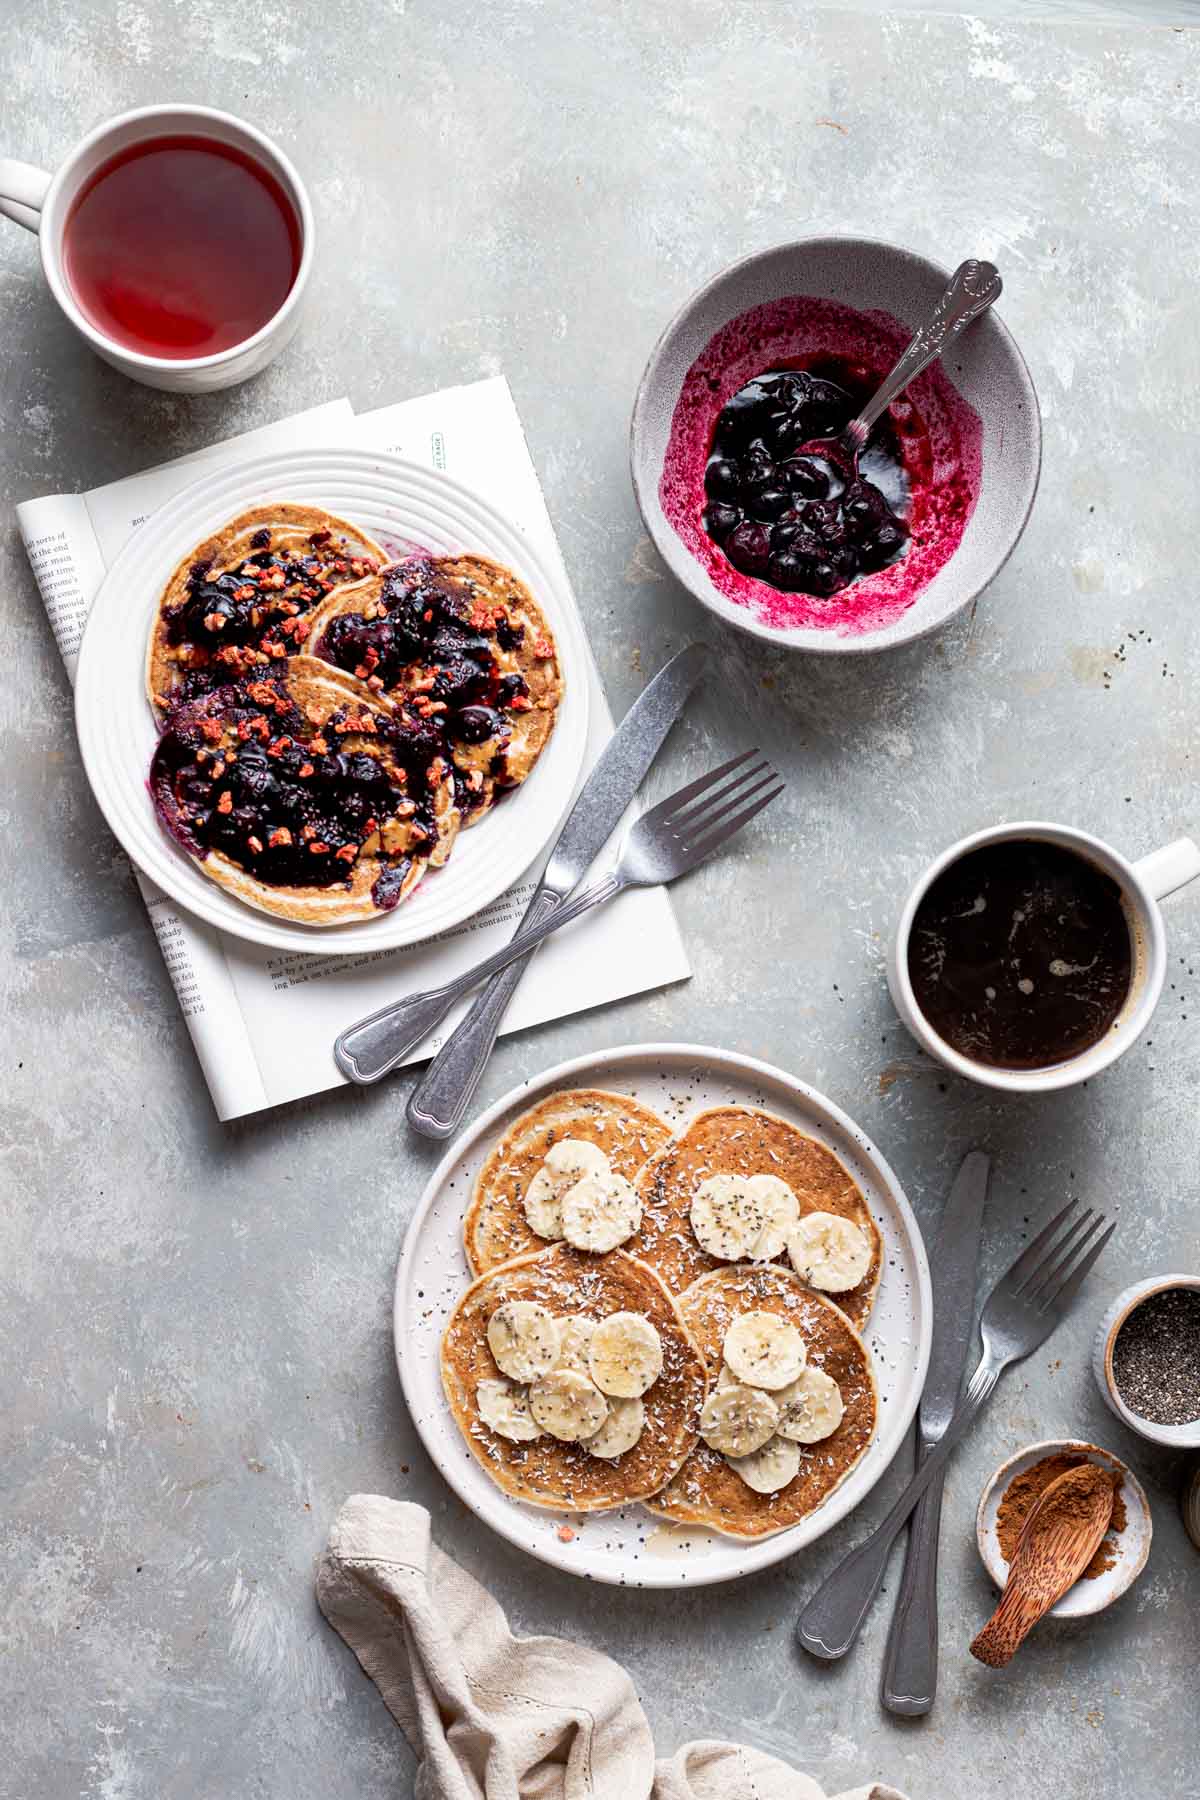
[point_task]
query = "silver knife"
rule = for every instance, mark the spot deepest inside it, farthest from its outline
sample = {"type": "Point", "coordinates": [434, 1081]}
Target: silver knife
{"type": "Point", "coordinates": [910, 1664]}
{"type": "Point", "coordinates": [365, 1051]}
{"type": "Point", "coordinates": [439, 1101]}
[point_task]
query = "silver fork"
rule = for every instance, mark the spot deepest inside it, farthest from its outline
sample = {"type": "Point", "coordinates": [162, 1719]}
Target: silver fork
{"type": "Point", "coordinates": [1020, 1313]}
{"type": "Point", "coordinates": [666, 842]}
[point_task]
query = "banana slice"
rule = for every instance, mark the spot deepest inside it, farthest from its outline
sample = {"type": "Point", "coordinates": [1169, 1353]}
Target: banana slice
{"type": "Point", "coordinates": [810, 1407]}
{"type": "Point", "coordinates": [769, 1469]}
{"type": "Point", "coordinates": [764, 1350]}
{"type": "Point", "coordinates": [542, 1206]}
{"type": "Point", "coordinates": [625, 1356]}
{"type": "Point", "coordinates": [780, 1210]}
{"type": "Point", "coordinates": [523, 1338]}
{"type": "Point", "coordinates": [726, 1377]}
{"type": "Point", "coordinates": [600, 1212]}
{"type": "Point", "coordinates": [738, 1420]}
{"type": "Point", "coordinates": [829, 1252]}
{"type": "Point", "coordinates": [504, 1409]}
{"type": "Point", "coordinates": [727, 1218]}
{"type": "Point", "coordinates": [567, 1405]}
{"type": "Point", "coordinates": [572, 1158]}
{"type": "Point", "coordinates": [620, 1431]}
{"type": "Point", "coordinates": [564, 1164]}
{"type": "Point", "coordinates": [574, 1336]}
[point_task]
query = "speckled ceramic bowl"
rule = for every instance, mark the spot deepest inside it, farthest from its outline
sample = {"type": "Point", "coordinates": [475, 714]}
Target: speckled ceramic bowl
{"type": "Point", "coordinates": [985, 368]}
{"type": "Point", "coordinates": [1172, 1437]}
{"type": "Point", "coordinates": [1132, 1546]}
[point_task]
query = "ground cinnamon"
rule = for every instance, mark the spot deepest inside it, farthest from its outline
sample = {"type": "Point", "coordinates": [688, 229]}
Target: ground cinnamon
{"type": "Point", "coordinates": [1021, 1493]}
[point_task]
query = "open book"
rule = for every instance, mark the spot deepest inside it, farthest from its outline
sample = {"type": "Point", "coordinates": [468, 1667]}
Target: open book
{"type": "Point", "coordinates": [263, 1021]}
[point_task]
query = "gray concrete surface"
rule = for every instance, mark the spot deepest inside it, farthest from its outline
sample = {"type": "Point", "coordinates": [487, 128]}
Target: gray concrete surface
{"type": "Point", "coordinates": [194, 1345]}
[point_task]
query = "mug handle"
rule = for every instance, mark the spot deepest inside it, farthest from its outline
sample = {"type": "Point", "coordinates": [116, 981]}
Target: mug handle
{"type": "Point", "coordinates": [22, 190]}
{"type": "Point", "coordinates": [1172, 867]}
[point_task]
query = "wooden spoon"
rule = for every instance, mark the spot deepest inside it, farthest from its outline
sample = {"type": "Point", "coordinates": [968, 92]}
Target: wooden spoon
{"type": "Point", "coordinates": [1058, 1540]}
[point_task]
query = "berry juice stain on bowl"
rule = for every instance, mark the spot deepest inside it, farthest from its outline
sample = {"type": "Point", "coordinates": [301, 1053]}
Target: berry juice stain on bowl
{"type": "Point", "coordinates": [786, 538]}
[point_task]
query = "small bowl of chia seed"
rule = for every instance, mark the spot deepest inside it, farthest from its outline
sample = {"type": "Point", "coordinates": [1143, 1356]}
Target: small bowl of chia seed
{"type": "Point", "coordinates": [1147, 1360]}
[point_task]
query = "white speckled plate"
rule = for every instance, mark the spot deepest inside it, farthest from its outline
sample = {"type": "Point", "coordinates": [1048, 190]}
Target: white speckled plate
{"type": "Point", "coordinates": [400, 504]}
{"type": "Point", "coordinates": [630, 1546]}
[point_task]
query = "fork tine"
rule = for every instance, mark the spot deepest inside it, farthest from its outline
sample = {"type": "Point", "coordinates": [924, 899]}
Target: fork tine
{"type": "Point", "coordinates": [1038, 1277]}
{"type": "Point", "coordinates": [1031, 1255]}
{"type": "Point", "coordinates": [698, 851]}
{"type": "Point", "coordinates": [666, 808]}
{"type": "Point", "coordinates": [1059, 1260]}
{"type": "Point", "coordinates": [1063, 1295]}
{"type": "Point", "coordinates": [700, 822]}
{"type": "Point", "coordinates": [686, 814]}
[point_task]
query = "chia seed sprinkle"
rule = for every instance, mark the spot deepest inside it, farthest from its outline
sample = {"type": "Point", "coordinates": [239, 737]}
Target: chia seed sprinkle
{"type": "Point", "coordinates": [1156, 1358]}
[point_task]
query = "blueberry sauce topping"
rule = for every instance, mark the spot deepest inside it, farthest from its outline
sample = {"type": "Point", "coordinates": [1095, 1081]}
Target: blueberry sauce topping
{"type": "Point", "coordinates": [389, 884]}
{"type": "Point", "coordinates": [473, 725]}
{"type": "Point", "coordinates": [425, 642]}
{"type": "Point", "coordinates": [801, 523]}
{"type": "Point", "coordinates": [294, 802]}
{"type": "Point", "coordinates": [235, 620]}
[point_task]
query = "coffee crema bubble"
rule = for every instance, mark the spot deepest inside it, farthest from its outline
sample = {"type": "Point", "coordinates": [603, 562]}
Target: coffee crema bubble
{"type": "Point", "coordinates": [1020, 954]}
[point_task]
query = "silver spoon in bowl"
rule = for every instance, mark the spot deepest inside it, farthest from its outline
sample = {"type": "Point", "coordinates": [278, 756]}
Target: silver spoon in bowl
{"type": "Point", "coordinates": [974, 286]}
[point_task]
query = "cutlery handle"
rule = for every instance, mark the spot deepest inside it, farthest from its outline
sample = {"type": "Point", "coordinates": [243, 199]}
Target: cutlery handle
{"type": "Point", "coordinates": [1016, 1614]}
{"type": "Point", "coordinates": [438, 1102]}
{"type": "Point", "coordinates": [910, 1663]}
{"type": "Point", "coordinates": [832, 1619]}
{"type": "Point", "coordinates": [973, 287]}
{"type": "Point", "coordinates": [370, 1049]}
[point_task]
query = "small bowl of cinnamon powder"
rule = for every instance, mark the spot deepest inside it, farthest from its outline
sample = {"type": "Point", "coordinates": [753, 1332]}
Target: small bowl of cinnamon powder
{"type": "Point", "coordinates": [1018, 1483]}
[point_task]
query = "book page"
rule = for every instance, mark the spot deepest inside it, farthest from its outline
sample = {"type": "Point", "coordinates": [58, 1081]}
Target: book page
{"type": "Point", "coordinates": [67, 565]}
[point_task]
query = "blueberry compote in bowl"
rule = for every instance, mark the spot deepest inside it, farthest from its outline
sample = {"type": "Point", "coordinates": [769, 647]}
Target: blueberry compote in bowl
{"type": "Point", "coordinates": [803, 522]}
{"type": "Point", "coordinates": [785, 348]}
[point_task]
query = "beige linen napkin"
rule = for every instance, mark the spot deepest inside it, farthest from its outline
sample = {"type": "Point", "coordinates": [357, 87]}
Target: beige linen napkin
{"type": "Point", "coordinates": [494, 1717]}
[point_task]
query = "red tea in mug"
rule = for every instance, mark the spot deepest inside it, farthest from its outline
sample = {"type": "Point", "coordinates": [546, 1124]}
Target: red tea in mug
{"type": "Point", "coordinates": [181, 247]}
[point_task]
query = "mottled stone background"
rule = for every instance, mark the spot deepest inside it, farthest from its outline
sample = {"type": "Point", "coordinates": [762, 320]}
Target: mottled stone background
{"type": "Point", "coordinates": [194, 1347]}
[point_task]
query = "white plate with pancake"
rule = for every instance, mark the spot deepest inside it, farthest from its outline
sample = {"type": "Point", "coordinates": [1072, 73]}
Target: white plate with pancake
{"type": "Point", "coordinates": [628, 1546]}
{"type": "Point", "coordinates": [401, 505]}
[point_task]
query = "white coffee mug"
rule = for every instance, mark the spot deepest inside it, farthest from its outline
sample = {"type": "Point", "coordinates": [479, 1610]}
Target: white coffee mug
{"type": "Point", "coordinates": [43, 204]}
{"type": "Point", "coordinates": [1142, 883]}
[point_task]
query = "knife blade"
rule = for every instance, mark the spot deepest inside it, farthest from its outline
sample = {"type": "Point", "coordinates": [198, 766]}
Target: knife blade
{"type": "Point", "coordinates": [437, 1105]}
{"type": "Point", "coordinates": [910, 1661]}
{"type": "Point", "coordinates": [620, 769]}
{"type": "Point", "coordinates": [955, 1257]}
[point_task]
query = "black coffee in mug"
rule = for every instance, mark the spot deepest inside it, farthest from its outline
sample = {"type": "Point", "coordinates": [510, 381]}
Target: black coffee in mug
{"type": "Point", "coordinates": [1020, 954]}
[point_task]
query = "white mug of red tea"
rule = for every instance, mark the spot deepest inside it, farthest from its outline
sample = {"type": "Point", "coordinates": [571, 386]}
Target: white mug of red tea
{"type": "Point", "coordinates": [1141, 884]}
{"type": "Point", "coordinates": [177, 239]}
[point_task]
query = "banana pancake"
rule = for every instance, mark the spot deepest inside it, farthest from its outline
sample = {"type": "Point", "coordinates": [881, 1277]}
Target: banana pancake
{"type": "Point", "coordinates": [815, 1453]}
{"type": "Point", "coordinates": [699, 1181]}
{"type": "Point", "coordinates": [242, 599]}
{"type": "Point", "coordinates": [303, 794]}
{"type": "Point", "coordinates": [558, 1344]}
{"type": "Point", "coordinates": [620, 1130]}
{"type": "Point", "coordinates": [461, 641]}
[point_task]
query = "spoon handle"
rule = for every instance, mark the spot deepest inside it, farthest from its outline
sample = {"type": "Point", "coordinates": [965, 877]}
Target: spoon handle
{"type": "Point", "coordinates": [973, 287]}
{"type": "Point", "coordinates": [1035, 1584]}
{"type": "Point", "coordinates": [1017, 1612]}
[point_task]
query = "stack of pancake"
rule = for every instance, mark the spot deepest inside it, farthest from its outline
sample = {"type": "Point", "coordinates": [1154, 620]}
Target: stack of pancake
{"type": "Point", "coordinates": [739, 1245]}
{"type": "Point", "coordinates": [384, 706]}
